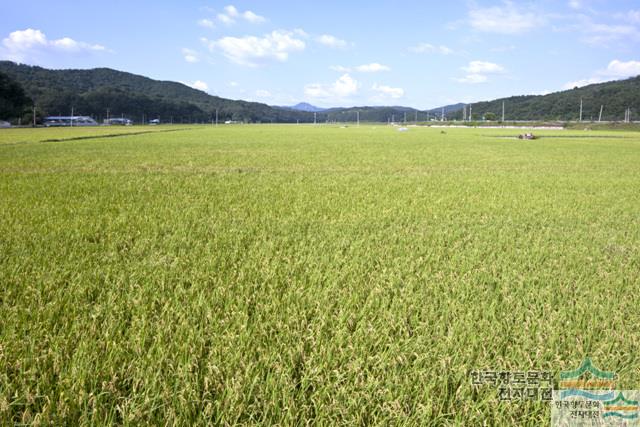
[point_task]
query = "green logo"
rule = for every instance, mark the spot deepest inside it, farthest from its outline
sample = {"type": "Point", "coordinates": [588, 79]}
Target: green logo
{"type": "Point", "coordinates": [576, 379]}
{"type": "Point", "coordinates": [620, 407]}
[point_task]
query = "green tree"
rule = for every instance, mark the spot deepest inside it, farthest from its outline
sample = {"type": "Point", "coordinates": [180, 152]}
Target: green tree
{"type": "Point", "coordinates": [13, 100]}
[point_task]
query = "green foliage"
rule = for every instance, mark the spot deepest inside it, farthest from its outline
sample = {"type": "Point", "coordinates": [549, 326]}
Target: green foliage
{"type": "Point", "coordinates": [13, 99]}
{"type": "Point", "coordinates": [92, 92]}
{"type": "Point", "coordinates": [615, 96]}
{"type": "Point", "coordinates": [300, 275]}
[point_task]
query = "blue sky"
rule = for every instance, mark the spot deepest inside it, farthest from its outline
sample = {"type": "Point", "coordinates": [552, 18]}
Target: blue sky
{"type": "Point", "coordinates": [336, 53]}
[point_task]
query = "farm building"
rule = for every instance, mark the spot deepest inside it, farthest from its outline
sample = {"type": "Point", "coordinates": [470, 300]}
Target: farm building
{"type": "Point", "coordinates": [118, 122]}
{"type": "Point", "coordinates": [53, 121]}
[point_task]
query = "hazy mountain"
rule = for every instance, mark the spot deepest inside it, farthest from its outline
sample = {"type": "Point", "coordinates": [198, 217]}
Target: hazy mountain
{"type": "Point", "coordinates": [303, 106]}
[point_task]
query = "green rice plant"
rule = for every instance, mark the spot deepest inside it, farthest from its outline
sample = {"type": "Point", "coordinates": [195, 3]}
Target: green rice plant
{"type": "Point", "coordinates": [300, 275]}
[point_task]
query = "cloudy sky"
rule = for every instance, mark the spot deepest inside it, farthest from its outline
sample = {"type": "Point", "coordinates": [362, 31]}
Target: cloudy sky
{"type": "Point", "coordinates": [336, 53]}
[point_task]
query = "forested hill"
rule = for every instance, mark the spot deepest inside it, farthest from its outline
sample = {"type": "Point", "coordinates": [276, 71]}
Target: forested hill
{"type": "Point", "coordinates": [614, 97]}
{"type": "Point", "coordinates": [92, 92]}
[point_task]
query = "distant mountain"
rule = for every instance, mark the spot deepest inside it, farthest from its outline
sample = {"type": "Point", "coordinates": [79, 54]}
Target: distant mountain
{"type": "Point", "coordinates": [448, 109]}
{"type": "Point", "coordinates": [387, 114]}
{"type": "Point", "coordinates": [614, 97]}
{"type": "Point", "coordinates": [96, 91]}
{"type": "Point", "coordinates": [92, 92]}
{"type": "Point", "coordinates": [303, 106]}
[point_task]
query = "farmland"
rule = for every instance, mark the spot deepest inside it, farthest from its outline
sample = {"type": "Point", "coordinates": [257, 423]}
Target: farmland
{"type": "Point", "coordinates": [300, 274]}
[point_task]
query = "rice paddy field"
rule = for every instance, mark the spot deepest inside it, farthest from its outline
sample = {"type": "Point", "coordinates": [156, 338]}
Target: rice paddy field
{"type": "Point", "coordinates": [300, 275]}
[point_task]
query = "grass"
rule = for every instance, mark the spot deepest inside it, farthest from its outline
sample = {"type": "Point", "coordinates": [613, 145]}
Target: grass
{"type": "Point", "coordinates": [309, 275]}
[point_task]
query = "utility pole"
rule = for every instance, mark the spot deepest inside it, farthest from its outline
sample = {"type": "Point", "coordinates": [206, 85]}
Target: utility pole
{"type": "Point", "coordinates": [442, 115]}
{"type": "Point", "coordinates": [315, 118]}
{"type": "Point", "coordinates": [393, 118]}
{"type": "Point", "coordinates": [502, 111]}
{"type": "Point", "coordinates": [34, 116]}
{"type": "Point", "coordinates": [358, 117]}
{"type": "Point", "coordinates": [470, 112]}
{"type": "Point", "coordinates": [464, 113]}
{"type": "Point", "coordinates": [580, 109]}
{"type": "Point", "coordinates": [405, 118]}
{"type": "Point", "coordinates": [216, 117]}
{"type": "Point", "coordinates": [416, 117]}
{"type": "Point", "coordinates": [71, 116]}
{"type": "Point", "coordinates": [600, 116]}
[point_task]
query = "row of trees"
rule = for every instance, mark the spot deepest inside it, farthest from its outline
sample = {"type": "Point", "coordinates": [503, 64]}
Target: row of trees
{"type": "Point", "coordinates": [13, 99]}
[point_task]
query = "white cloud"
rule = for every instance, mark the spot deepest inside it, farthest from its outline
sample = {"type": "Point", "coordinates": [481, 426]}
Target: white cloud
{"type": "Point", "coordinates": [340, 69]}
{"type": "Point", "coordinates": [26, 44]}
{"type": "Point", "coordinates": [633, 16]}
{"type": "Point", "coordinates": [72, 45]}
{"type": "Point", "coordinates": [503, 19]}
{"type": "Point", "coordinates": [231, 14]}
{"type": "Point", "coordinates": [502, 49]}
{"type": "Point", "coordinates": [24, 40]}
{"type": "Point", "coordinates": [472, 79]}
{"type": "Point", "coordinates": [582, 82]}
{"type": "Point", "coordinates": [604, 34]}
{"type": "Point", "coordinates": [190, 55]}
{"type": "Point", "coordinates": [234, 84]}
{"type": "Point", "coordinates": [615, 70]}
{"type": "Point", "coordinates": [429, 48]}
{"type": "Point", "coordinates": [575, 4]}
{"type": "Point", "coordinates": [253, 18]}
{"type": "Point", "coordinates": [226, 19]}
{"type": "Point", "coordinates": [206, 23]}
{"type": "Point", "coordinates": [374, 67]}
{"type": "Point", "coordinates": [342, 88]}
{"type": "Point", "coordinates": [387, 91]}
{"type": "Point", "coordinates": [231, 11]}
{"type": "Point", "coordinates": [255, 51]}
{"type": "Point", "coordinates": [198, 84]}
{"type": "Point", "coordinates": [477, 72]}
{"type": "Point", "coordinates": [331, 41]}
{"type": "Point", "coordinates": [483, 67]}
{"type": "Point", "coordinates": [261, 93]}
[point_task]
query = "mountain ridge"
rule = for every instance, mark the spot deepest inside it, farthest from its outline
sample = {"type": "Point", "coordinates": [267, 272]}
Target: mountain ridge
{"type": "Point", "coordinates": [103, 91]}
